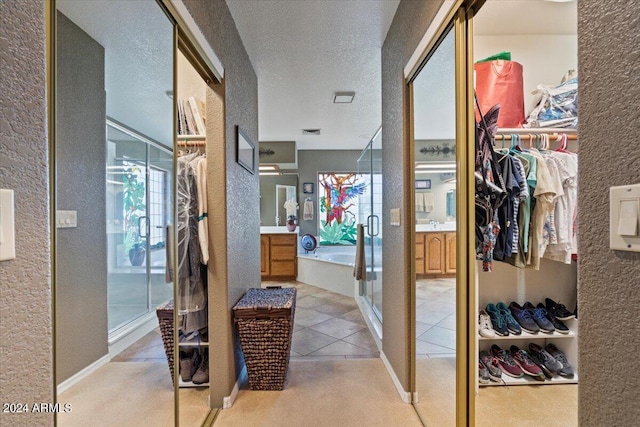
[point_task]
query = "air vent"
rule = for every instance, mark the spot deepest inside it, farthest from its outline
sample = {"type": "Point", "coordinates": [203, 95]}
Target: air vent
{"type": "Point", "coordinates": [311, 131]}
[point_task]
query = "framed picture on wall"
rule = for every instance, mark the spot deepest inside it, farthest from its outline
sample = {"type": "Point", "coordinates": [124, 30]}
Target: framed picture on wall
{"type": "Point", "coordinates": [307, 188]}
{"type": "Point", "coordinates": [246, 151]}
{"type": "Point", "coordinates": [423, 184]}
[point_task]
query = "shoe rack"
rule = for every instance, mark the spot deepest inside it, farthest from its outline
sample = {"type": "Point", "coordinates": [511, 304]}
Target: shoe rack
{"type": "Point", "coordinates": [507, 283]}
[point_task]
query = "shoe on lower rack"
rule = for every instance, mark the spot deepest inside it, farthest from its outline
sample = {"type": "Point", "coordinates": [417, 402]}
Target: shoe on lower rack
{"type": "Point", "coordinates": [189, 362]}
{"type": "Point", "coordinates": [524, 317]}
{"type": "Point", "coordinates": [483, 374]}
{"type": "Point", "coordinates": [202, 374]}
{"type": "Point", "coordinates": [507, 364]}
{"type": "Point", "coordinates": [512, 324]}
{"type": "Point", "coordinates": [558, 310]}
{"type": "Point", "coordinates": [557, 324]}
{"type": "Point", "coordinates": [484, 325]}
{"type": "Point", "coordinates": [567, 369]}
{"type": "Point", "coordinates": [492, 365]}
{"type": "Point", "coordinates": [497, 320]}
{"type": "Point", "coordinates": [550, 366]}
{"type": "Point", "coordinates": [527, 365]}
{"type": "Point", "coordinates": [540, 317]}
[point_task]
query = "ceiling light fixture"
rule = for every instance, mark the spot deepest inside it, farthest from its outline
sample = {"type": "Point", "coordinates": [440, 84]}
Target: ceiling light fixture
{"type": "Point", "coordinates": [268, 167]}
{"type": "Point", "coordinates": [439, 167]}
{"type": "Point", "coordinates": [343, 97]}
{"type": "Point", "coordinates": [269, 173]}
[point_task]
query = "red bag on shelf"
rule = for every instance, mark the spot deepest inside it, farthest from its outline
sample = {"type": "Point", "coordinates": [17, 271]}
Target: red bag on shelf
{"type": "Point", "coordinates": [500, 82]}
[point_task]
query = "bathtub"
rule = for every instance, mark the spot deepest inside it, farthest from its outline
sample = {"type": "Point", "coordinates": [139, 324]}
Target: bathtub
{"type": "Point", "coordinates": [330, 268]}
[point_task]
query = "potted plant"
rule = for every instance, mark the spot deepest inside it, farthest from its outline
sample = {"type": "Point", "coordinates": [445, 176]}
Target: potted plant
{"type": "Point", "coordinates": [291, 206]}
{"type": "Point", "coordinates": [133, 194]}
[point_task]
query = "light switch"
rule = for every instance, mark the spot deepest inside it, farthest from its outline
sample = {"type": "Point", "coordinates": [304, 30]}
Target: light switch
{"type": "Point", "coordinates": [628, 223]}
{"type": "Point", "coordinates": [7, 226]}
{"type": "Point", "coordinates": [624, 218]}
{"type": "Point", "coordinates": [66, 219]}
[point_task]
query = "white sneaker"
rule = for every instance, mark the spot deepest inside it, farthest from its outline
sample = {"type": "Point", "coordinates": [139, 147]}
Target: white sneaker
{"type": "Point", "coordinates": [484, 325]}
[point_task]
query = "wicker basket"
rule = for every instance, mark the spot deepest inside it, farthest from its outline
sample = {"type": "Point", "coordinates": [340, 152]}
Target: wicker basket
{"type": "Point", "coordinates": [165, 319]}
{"type": "Point", "coordinates": [265, 324]}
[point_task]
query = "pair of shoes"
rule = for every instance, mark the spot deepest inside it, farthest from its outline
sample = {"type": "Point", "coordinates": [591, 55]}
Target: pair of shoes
{"type": "Point", "coordinates": [484, 325]}
{"type": "Point", "coordinates": [559, 310]}
{"type": "Point", "coordinates": [567, 369]}
{"type": "Point", "coordinates": [502, 320]}
{"type": "Point", "coordinates": [531, 319]}
{"type": "Point", "coordinates": [549, 364]}
{"type": "Point", "coordinates": [189, 362]}
{"type": "Point", "coordinates": [557, 324]}
{"type": "Point", "coordinates": [491, 366]}
{"type": "Point", "coordinates": [193, 367]}
{"type": "Point", "coordinates": [483, 374]}
{"type": "Point", "coordinates": [507, 364]}
{"type": "Point", "coordinates": [525, 363]}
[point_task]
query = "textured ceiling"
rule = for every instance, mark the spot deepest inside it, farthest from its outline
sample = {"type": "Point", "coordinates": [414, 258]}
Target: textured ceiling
{"type": "Point", "coordinates": [138, 42]}
{"type": "Point", "coordinates": [305, 50]}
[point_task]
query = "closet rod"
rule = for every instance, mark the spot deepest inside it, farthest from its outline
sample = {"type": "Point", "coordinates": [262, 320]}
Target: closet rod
{"type": "Point", "coordinates": [526, 137]}
{"type": "Point", "coordinates": [192, 143]}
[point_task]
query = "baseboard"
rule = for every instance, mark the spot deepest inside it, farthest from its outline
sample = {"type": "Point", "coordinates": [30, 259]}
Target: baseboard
{"type": "Point", "coordinates": [375, 327]}
{"type": "Point", "coordinates": [227, 402]}
{"type": "Point", "coordinates": [137, 329]}
{"type": "Point", "coordinates": [79, 376]}
{"type": "Point", "coordinates": [404, 395]}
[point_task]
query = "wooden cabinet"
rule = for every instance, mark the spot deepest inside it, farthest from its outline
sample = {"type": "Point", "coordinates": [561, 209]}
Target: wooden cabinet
{"type": "Point", "coordinates": [278, 256]}
{"type": "Point", "coordinates": [435, 253]}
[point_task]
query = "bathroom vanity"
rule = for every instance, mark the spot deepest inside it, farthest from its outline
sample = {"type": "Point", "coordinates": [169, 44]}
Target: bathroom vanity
{"type": "Point", "coordinates": [278, 253]}
{"type": "Point", "coordinates": [435, 250]}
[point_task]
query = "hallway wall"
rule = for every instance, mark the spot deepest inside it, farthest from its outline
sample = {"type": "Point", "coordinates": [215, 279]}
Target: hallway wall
{"type": "Point", "coordinates": [608, 293]}
{"type": "Point", "coordinates": [239, 190]}
{"type": "Point", "coordinates": [407, 29]}
{"type": "Point", "coordinates": [26, 341]}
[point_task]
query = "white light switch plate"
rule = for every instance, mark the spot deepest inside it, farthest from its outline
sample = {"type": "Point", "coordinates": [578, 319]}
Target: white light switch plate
{"type": "Point", "coordinates": [624, 218]}
{"type": "Point", "coordinates": [66, 219]}
{"type": "Point", "coordinates": [7, 226]}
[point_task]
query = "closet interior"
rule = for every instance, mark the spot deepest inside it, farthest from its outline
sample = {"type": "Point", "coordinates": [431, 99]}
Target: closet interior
{"type": "Point", "coordinates": [529, 66]}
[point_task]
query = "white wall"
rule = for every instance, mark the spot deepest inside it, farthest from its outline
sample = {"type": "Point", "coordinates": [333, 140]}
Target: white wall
{"type": "Point", "coordinates": [189, 82]}
{"type": "Point", "coordinates": [439, 190]}
{"type": "Point", "coordinates": [544, 58]}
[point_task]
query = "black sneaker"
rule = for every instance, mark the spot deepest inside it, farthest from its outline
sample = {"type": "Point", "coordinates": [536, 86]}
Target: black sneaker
{"type": "Point", "coordinates": [497, 320]}
{"type": "Point", "coordinates": [567, 369]}
{"type": "Point", "coordinates": [492, 365]}
{"type": "Point", "coordinates": [540, 317]}
{"type": "Point", "coordinates": [560, 327]}
{"type": "Point", "coordinates": [524, 318]}
{"type": "Point", "coordinates": [558, 310]}
{"type": "Point", "coordinates": [550, 366]}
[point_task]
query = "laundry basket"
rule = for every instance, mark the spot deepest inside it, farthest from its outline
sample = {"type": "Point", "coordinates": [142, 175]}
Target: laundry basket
{"type": "Point", "coordinates": [264, 318]}
{"type": "Point", "coordinates": [165, 320]}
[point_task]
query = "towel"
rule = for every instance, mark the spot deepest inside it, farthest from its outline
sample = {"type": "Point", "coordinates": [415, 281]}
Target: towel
{"type": "Point", "coordinates": [419, 202]}
{"type": "Point", "coordinates": [168, 277]}
{"type": "Point", "coordinates": [360, 269]}
{"type": "Point", "coordinates": [428, 202]}
{"type": "Point", "coordinates": [307, 213]}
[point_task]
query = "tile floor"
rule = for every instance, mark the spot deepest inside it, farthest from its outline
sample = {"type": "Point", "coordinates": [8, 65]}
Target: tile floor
{"type": "Point", "coordinates": [328, 325]}
{"type": "Point", "coordinates": [436, 318]}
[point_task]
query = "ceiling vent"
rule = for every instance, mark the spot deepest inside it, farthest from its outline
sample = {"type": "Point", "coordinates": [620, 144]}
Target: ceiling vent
{"type": "Point", "coordinates": [311, 131]}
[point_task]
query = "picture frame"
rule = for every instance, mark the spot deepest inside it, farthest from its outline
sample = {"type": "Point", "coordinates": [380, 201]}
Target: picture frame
{"type": "Point", "coordinates": [245, 151]}
{"type": "Point", "coordinates": [423, 184]}
{"type": "Point", "coordinates": [307, 188]}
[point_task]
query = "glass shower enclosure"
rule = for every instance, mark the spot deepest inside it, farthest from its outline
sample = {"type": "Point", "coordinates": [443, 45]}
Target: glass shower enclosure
{"type": "Point", "coordinates": [370, 215]}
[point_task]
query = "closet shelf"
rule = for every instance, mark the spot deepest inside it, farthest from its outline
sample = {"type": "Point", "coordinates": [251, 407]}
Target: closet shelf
{"type": "Point", "coordinates": [194, 137]}
{"type": "Point", "coordinates": [528, 336]}
{"type": "Point", "coordinates": [194, 344]}
{"type": "Point", "coordinates": [189, 384]}
{"type": "Point", "coordinates": [527, 380]}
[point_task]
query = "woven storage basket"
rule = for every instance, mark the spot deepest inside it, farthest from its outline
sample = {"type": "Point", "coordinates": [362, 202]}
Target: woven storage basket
{"type": "Point", "coordinates": [265, 324]}
{"type": "Point", "coordinates": [165, 319]}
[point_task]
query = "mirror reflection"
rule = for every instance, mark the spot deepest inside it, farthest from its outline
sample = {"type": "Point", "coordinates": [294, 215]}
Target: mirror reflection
{"type": "Point", "coordinates": [113, 193]}
{"type": "Point", "coordinates": [435, 231]}
{"type": "Point", "coordinates": [275, 190]}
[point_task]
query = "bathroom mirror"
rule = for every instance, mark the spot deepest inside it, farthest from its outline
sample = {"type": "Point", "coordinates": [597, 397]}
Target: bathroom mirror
{"type": "Point", "coordinates": [113, 195]}
{"type": "Point", "coordinates": [274, 191]}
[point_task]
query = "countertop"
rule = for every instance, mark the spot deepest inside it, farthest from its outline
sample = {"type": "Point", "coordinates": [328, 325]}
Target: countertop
{"type": "Point", "coordinates": [277, 230]}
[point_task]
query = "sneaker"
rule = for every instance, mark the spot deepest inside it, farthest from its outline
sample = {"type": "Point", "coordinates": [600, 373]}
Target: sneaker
{"type": "Point", "coordinates": [540, 317]}
{"type": "Point", "coordinates": [497, 320]}
{"type": "Point", "coordinates": [558, 310]}
{"type": "Point", "coordinates": [483, 374]}
{"type": "Point", "coordinates": [202, 374]}
{"type": "Point", "coordinates": [524, 318]}
{"type": "Point", "coordinates": [507, 364]}
{"type": "Point", "coordinates": [492, 365]}
{"type": "Point", "coordinates": [484, 325]}
{"type": "Point", "coordinates": [557, 324]}
{"type": "Point", "coordinates": [189, 361]}
{"type": "Point", "coordinates": [550, 366]}
{"type": "Point", "coordinates": [567, 369]}
{"type": "Point", "coordinates": [527, 365]}
{"type": "Point", "coordinates": [512, 324]}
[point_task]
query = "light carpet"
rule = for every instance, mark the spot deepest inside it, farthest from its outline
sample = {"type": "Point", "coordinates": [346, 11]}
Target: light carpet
{"type": "Point", "coordinates": [345, 393]}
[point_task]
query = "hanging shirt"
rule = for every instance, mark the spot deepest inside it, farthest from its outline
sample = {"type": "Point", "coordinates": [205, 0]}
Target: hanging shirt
{"type": "Point", "coordinates": [544, 195]}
